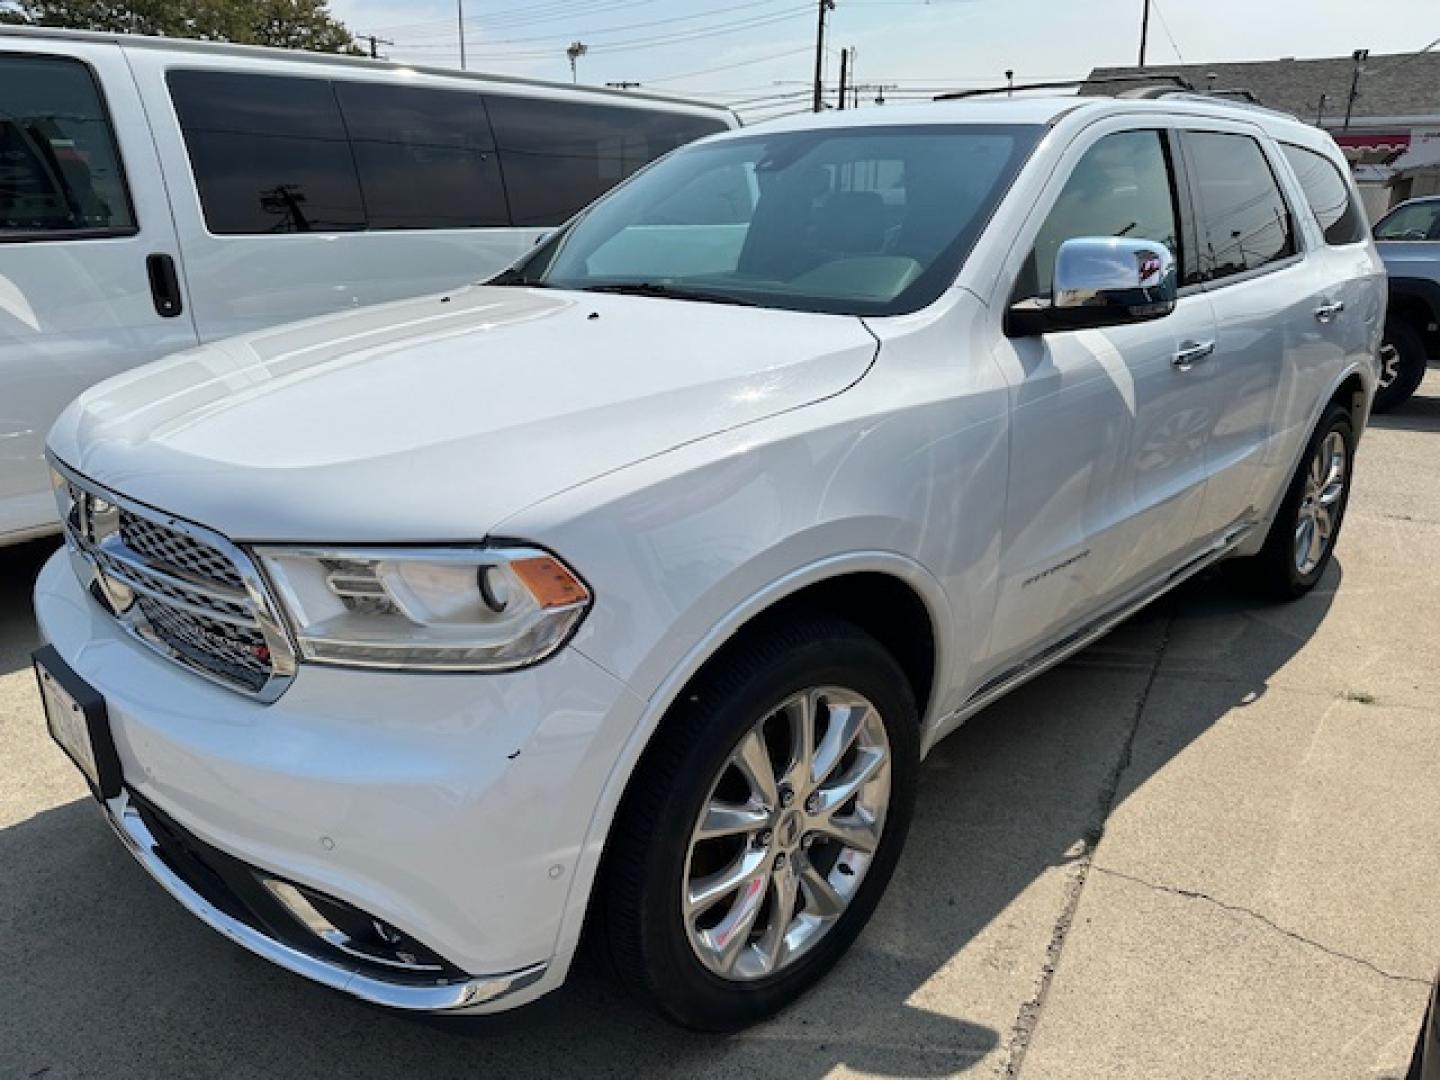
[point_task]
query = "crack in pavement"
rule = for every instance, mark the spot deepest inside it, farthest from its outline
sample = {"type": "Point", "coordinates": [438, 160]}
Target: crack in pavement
{"type": "Point", "coordinates": [1239, 909]}
{"type": "Point", "coordinates": [1029, 1015]}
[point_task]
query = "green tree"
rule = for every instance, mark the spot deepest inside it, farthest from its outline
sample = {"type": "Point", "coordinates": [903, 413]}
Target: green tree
{"type": "Point", "coordinates": [288, 24]}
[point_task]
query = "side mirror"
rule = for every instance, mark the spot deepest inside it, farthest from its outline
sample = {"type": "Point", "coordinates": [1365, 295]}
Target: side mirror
{"type": "Point", "coordinates": [1101, 281]}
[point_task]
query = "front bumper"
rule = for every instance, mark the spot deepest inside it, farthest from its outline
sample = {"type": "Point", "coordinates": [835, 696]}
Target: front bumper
{"type": "Point", "coordinates": [452, 807]}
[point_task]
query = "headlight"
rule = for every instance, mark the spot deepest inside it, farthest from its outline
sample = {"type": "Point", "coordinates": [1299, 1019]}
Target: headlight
{"type": "Point", "coordinates": [440, 609]}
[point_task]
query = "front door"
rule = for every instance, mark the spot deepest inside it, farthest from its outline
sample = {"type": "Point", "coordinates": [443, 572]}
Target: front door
{"type": "Point", "coordinates": [84, 227]}
{"type": "Point", "coordinates": [1108, 435]}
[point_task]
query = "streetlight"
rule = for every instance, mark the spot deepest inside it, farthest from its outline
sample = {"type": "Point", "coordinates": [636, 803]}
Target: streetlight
{"type": "Point", "coordinates": [576, 50]}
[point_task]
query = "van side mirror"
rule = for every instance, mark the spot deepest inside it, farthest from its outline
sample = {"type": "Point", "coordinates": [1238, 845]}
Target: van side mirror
{"type": "Point", "coordinates": [1101, 281]}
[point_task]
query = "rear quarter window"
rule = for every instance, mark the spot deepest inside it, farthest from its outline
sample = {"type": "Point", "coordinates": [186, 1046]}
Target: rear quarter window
{"type": "Point", "coordinates": [1328, 195]}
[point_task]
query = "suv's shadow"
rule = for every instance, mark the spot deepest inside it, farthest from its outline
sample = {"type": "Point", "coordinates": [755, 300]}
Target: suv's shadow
{"type": "Point", "coordinates": [1420, 413]}
{"type": "Point", "coordinates": [106, 975]}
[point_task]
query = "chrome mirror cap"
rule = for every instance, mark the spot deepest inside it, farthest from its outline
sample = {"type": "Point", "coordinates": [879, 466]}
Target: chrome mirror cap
{"type": "Point", "coordinates": [1102, 281]}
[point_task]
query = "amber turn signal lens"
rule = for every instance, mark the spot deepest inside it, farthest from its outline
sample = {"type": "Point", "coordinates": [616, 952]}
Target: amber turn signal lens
{"type": "Point", "coordinates": [549, 582]}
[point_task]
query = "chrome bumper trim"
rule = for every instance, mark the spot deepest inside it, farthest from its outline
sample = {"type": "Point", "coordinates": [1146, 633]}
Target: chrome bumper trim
{"type": "Point", "coordinates": [444, 997]}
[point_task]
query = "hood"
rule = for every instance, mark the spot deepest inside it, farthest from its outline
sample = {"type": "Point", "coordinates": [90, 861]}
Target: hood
{"type": "Point", "coordinates": [436, 419]}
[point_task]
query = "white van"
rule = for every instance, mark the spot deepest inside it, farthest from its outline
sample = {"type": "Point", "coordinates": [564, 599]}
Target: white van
{"type": "Point", "coordinates": [156, 194]}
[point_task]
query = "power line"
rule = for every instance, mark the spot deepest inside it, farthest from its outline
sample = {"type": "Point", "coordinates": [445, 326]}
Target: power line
{"type": "Point", "coordinates": [634, 26]}
{"type": "Point", "coordinates": [729, 67]}
{"type": "Point", "coordinates": [638, 43]}
{"type": "Point", "coordinates": [545, 12]}
{"type": "Point", "coordinates": [1166, 27]}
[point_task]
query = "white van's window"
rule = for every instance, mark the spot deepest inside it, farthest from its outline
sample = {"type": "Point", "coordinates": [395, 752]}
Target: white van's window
{"type": "Point", "coordinates": [1244, 222]}
{"type": "Point", "coordinates": [60, 172]}
{"type": "Point", "coordinates": [861, 221]}
{"type": "Point", "coordinates": [269, 153]}
{"type": "Point", "coordinates": [1328, 195]}
{"type": "Point", "coordinates": [426, 157]}
{"type": "Point", "coordinates": [558, 156]}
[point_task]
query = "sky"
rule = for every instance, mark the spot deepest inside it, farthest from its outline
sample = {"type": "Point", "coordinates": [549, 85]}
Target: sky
{"type": "Point", "coordinates": [758, 55]}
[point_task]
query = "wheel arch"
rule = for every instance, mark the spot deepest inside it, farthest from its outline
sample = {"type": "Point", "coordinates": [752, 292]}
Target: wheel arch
{"type": "Point", "coordinates": [875, 576]}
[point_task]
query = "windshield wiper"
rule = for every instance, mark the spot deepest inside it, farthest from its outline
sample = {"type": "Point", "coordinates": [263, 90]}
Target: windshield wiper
{"type": "Point", "coordinates": [669, 292]}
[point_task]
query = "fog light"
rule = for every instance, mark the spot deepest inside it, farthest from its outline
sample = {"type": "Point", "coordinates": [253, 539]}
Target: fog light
{"type": "Point", "coordinates": [353, 932]}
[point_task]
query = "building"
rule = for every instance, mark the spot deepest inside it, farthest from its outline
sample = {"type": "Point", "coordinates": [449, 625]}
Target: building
{"type": "Point", "coordinates": [1392, 135]}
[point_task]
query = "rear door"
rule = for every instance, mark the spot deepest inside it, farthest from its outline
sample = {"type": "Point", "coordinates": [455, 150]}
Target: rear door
{"type": "Point", "coordinates": [84, 226]}
{"type": "Point", "coordinates": [1268, 298]}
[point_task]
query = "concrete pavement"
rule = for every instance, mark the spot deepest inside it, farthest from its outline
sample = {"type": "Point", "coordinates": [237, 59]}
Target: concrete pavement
{"type": "Point", "coordinates": [1207, 847]}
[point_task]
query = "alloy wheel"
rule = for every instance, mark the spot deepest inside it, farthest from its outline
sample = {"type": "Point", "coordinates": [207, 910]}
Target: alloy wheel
{"type": "Point", "coordinates": [786, 834]}
{"type": "Point", "coordinates": [1320, 504]}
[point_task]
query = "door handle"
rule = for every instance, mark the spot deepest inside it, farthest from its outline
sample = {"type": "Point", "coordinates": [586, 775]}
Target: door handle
{"type": "Point", "coordinates": [1191, 354]}
{"type": "Point", "coordinates": [1327, 312]}
{"type": "Point", "coordinates": [164, 285]}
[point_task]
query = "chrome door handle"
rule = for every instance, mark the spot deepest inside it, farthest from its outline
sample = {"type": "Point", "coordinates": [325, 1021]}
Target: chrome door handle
{"type": "Point", "coordinates": [1191, 354]}
{"type": "Point", "coordinates": [1327, 312]}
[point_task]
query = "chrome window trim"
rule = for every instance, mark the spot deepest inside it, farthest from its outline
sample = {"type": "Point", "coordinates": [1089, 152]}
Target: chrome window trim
{"type": "Point", "coordinates": [256, 594]}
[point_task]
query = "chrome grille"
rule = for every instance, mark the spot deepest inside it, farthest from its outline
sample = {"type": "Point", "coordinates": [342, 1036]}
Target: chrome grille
{"type": "Point", "coordinates": [185, 591]}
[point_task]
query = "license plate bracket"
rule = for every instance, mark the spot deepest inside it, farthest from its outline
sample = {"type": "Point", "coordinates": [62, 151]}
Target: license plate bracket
{"type": "Point", "coordinates": [76, 717]}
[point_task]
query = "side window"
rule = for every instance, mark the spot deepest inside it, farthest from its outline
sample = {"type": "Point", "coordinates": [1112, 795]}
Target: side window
{"type": "Point", "coordinates": [1328, 195]}
{"type": "Point", "coordinates": [269, 153]}
{"type": "Point", "coordinates": [1244, 222]}
{"type": "Point", "coordinates": [1120, 187]}
{"type": "Point", "coordinates": [558, 156]}
{"type": "Point", "coordinates": [426, 158]}
{"type": "Point", "coordinates": [59, 167]}
{"type": "Point", "coordinates": [1417, 221]}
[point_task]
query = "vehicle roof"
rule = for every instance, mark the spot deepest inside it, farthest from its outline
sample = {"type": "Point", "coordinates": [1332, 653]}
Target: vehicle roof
{"type": "Point", "coordinates": [1046, 110]}
{"type": "Point", "coordinates": [361, 63]}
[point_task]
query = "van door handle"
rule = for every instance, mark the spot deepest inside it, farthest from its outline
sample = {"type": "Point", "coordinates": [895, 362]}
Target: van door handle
{"type": "Point", "coordinates": [1327, 312]}
{"type": "Point", "coordinates": [164, 285]}
{"type": "Point", "coordinates": [1191, 354]}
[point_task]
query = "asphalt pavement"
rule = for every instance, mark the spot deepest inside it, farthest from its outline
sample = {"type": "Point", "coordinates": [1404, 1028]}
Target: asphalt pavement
{"type": "Point", "coordinates": [1209, 846]}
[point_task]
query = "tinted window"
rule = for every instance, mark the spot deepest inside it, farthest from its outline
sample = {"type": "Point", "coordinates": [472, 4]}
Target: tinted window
{"type": "Point", "coordinates": [558, 156]}
{"type": "Point", "coordinates": [1418, 221]}
{"type": "Point", "coordinates": [425, 157]}
{"type": "Point", "coordinates": [1328, 195]}
{"type": "Point", "coordinates": [269, 153]}
{"type": "Point", "coordinates": [1244, 221]}
{"type": "Point", "coordinates": [59, 168]}
{"type": "Point", "coordinates": [1121, 187]}
{"type": "Point", "coordinates": [860, 221]}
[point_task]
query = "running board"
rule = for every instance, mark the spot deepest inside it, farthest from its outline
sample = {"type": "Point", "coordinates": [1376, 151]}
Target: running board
{"type": "Point", "coordinates": [996, 688]}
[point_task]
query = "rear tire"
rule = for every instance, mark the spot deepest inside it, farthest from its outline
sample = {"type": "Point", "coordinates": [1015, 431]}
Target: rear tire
{"type": "Point", "coordinates": [1402, 363]}
{"type": "Point", "coordinates": [1295, 556]}
{"type": "Point", "coordinates": [696, 960]}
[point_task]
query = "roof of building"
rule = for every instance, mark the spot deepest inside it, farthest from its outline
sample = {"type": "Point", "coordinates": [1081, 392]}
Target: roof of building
{"type": "Point", "coordinates": [1394, 86]}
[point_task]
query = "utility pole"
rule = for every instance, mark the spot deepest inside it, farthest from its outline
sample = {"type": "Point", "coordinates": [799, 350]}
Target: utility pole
{"type": "Point", "coordinates": [374, 43]}
{"type": "Point", "coordinates": [1359, 56]}
{"type": "Point", "coordinates": [460, 23]}
{"type": "Point", "coordinates": [1009, 82]}
{"type": "Point", "coordinates": [1320, 110]}
{"type": "Point", "coordinates": [844, 69]}
{"type": "Point", "coordinates": [825, 7]}
{"type": "Point", "coordinates": [623, 85]}
{"type": "Point", "coordinates": [1144, 29]}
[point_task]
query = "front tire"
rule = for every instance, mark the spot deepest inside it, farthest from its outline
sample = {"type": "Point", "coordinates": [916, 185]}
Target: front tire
{"type": "Point", "coordinates": [1402, 364]}
{"type": "Point", "coordinates": [762, 825]}
{"type": "Point", "coordinates": [1302, 537]}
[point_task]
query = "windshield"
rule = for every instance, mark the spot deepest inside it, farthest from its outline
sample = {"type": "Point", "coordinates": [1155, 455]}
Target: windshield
{"type": "Point", "coordinates": [861, 221]}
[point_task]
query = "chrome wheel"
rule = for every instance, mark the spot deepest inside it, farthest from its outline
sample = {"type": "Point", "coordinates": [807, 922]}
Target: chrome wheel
{"type": "Point", "coordinates": [1320, 504]}
{"type": "Point", "coordinates": [786, 834]}
{"type": "Point", "coordinates": [1389, 365]}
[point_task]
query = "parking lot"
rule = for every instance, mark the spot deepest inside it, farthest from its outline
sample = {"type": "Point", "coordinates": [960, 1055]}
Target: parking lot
{"type": "Point", "coordinates": [1208, 846]}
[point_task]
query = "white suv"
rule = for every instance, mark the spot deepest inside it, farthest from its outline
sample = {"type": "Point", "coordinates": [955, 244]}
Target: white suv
{"type": "Point", "coordinates": [628, 590]}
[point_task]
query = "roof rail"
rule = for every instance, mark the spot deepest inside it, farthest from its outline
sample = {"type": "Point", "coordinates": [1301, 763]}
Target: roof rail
{"type": "Point", "coordinates": [1175, 81]}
